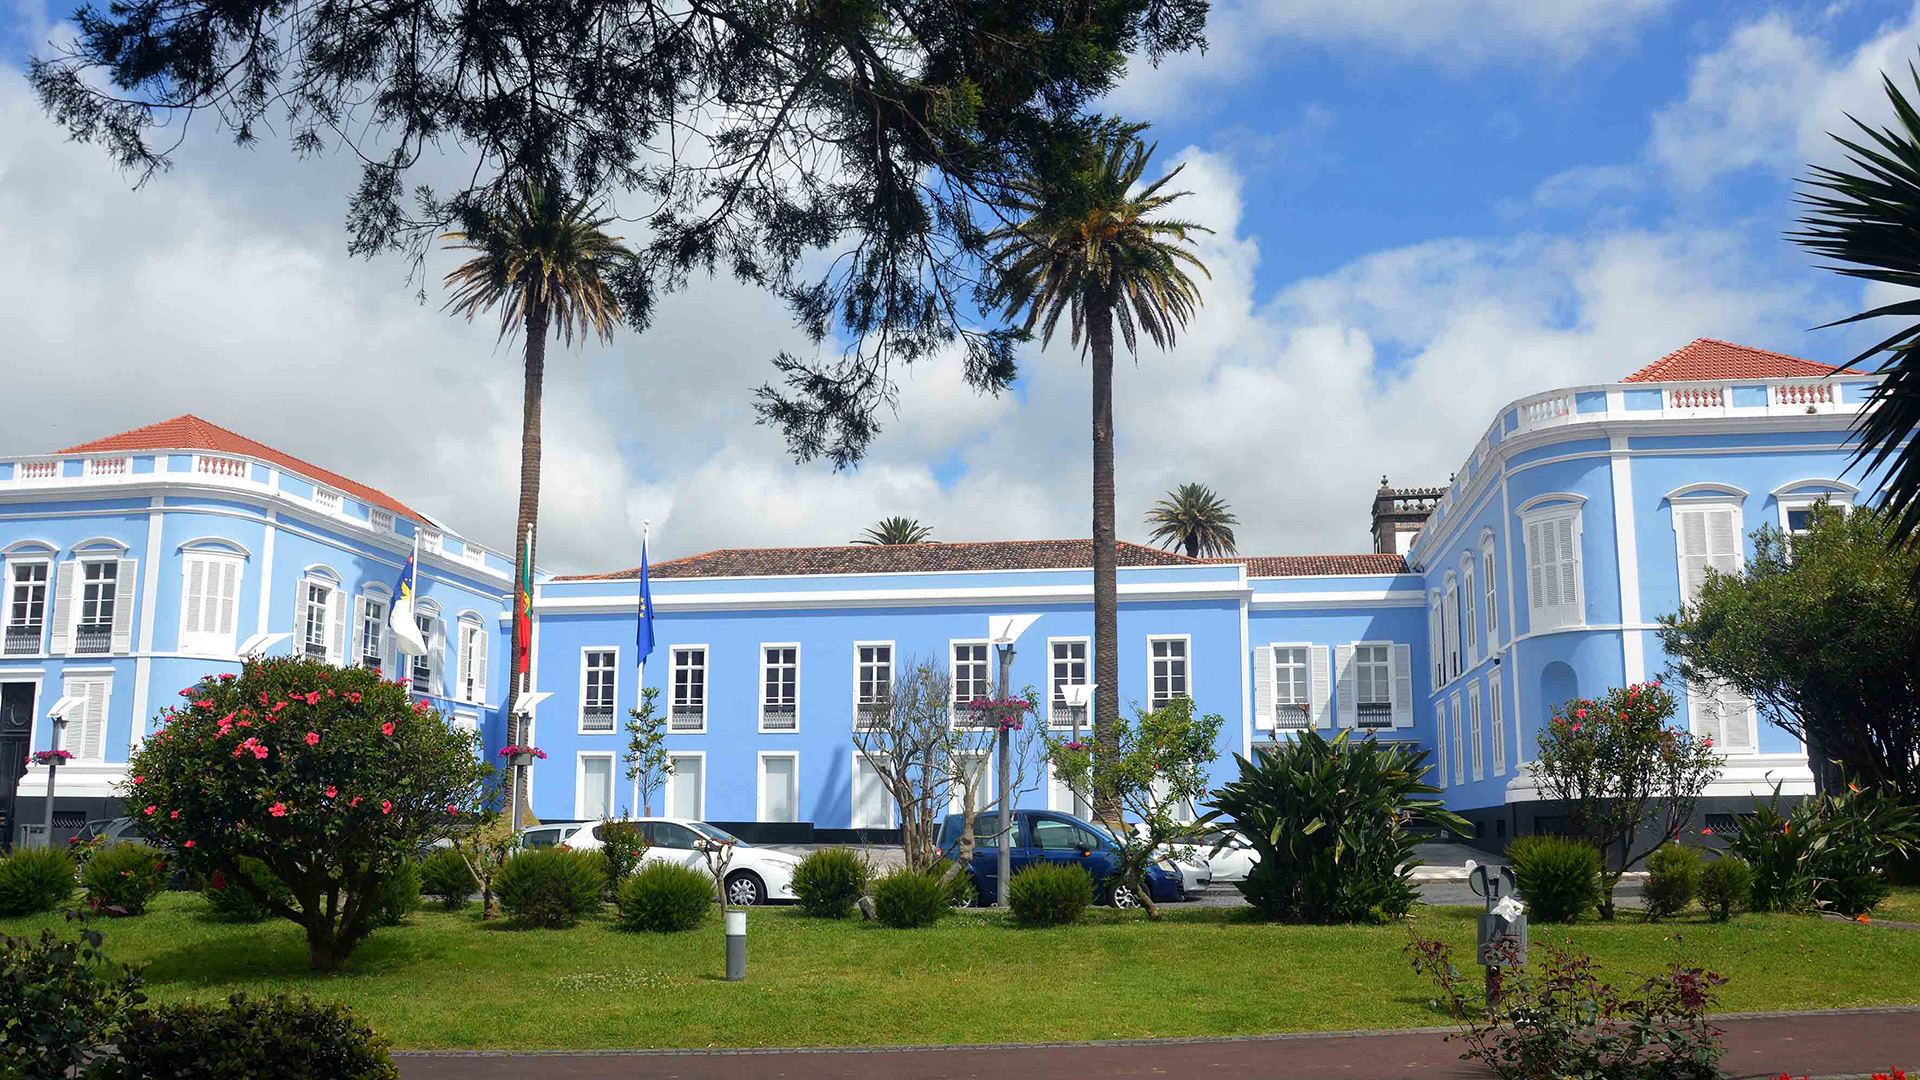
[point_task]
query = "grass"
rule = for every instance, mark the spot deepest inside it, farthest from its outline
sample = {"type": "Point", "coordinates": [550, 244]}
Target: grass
{"type": "Point", "coordinates": [451, 981]}
{"type": "Point", "coordinates": [1902, 906]}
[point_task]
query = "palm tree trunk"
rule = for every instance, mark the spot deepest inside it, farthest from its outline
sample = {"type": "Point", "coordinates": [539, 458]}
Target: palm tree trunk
{"type": "Point", "coordinates": [1193, 545]}
{"type": "Point", "coordinates": [1106, 606]}
{"type": "Point", "coordinates": [536, 371]}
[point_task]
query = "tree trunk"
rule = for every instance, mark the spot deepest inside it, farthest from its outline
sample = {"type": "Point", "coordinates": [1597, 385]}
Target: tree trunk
{"type": "Point", "coordinates": [1106, 610]}
{"type": "Point", "coordinates": [1142, 894]}
{"type": "Point", "coordinates": [1193, 545]}
{"type": "Point", "coordinates": [529, 515]}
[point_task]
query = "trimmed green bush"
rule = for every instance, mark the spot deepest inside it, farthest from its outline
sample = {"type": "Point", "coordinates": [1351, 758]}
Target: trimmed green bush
{"type": "Point", "coordinates": [1726, 886]}
{"type": "Point", "coordinates": [230, 899]}
{"type": "Point", "coordinates": [829, 882]}
{"type": "Point", "coordinates": [960, 889]}
{"type": "Point", "coordinates": [908, 899]}
{"type": "Point", "coordinates": [665, 898]}
{"type": "Point", "coordinates": [445, 877]}
{"type": "Point", "coordinates": [127, 876]}
{"type": "Point", "coordinates": [623, 845]}
{"type": "Point", "coordinates": [1673, 875]}
{"type": "Point", "coordinates": [282, 1037]}
{"type": "Point", "coordinates": [1049, 894]}
{"type": "Point", "coordinates": [33, 880]}
{"type": "Point", "coordinates": [399, 894]}
{"type": "Point", "coordinates": [551, 888]}
{"type": "Point", "coordinates": [1558, 878]}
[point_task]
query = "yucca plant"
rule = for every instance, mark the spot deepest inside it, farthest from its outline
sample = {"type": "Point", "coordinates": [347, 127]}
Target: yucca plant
{"type": "Point", "coordinates": [1329, 819]}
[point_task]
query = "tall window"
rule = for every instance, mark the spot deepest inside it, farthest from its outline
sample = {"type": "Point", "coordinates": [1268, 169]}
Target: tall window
{"type": "Point", "coordinates": [1459, 751]}
{"type": "Point", "coordinates": [86, 734]}
{"type": "Point", "coordinates": [211, 599]}
{"type": "Point", "coordinates": [371, 637]}
{"type": "Point", "coordinates": [1450, 623]}
{"type": "Point", "coordinates": [420, 669]}
{"type": "Point", "coordinates": [1493, 619]}
{"type": "Point", "coordinates": [1291, 690]}
{"type": "Point", "coordinates": [872, 682]}
{"type": "Point", "coordinates": [99, 582]}
{"type": "Point", "coordinates": [1439, 774]}
{"type": "Point", "coordinates": [1473, 730]}
{"type": "Point", "coordinates": [969, 675]}
{"type": "Point", "coordinates": [779, 688]}
{"type": "Point", "coordinates": [1067, 667]}
{"type": "Point", "coordinates": [1553, 568]}
{"type": "Point", "coordinates": [779, 787]}
{"type": "Point", "coordinates": [596, 786]}
{"type": "Point", "coordinates": [27, 608]}
{"type": "Point", "coordinates": [1168, 657]}
{"type": "Point", "coordinates": [473, 660]}
{"type": "Point", "coordinates": [1708, 535]}
{"type": "Point", "coordinates": [1436, 642]}
{"type": "Point", "coordinates": [1494, 710]}
{"type": "Point", "coordinates": [313, 630]}
{"type": "Point", "coordinates": [596, 698]}
{"type": "Point", "coordinates": [1470, 617]}
{"type": "Point", "coordinates": [689, 707]}
{"type": "Point", "coordinates": [1373, 685]}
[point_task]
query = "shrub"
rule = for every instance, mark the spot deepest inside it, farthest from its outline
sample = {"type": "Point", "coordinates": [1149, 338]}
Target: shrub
{"type": "Point", "coordinates": [906, 899]}
{"type": "Point", "coordinates": [1673, 876]}
{"type": "Point", "coordinates": [445, 877]}
{"type": "Point", "coordinates": [552, 887]}
{"type": "Point", "coordinates": [624, 845]}
{"type": "Point", "coordinates": [1330, 820]}
{"type": "Point", "coordinates": [1726, 886]}
{"type": "Point", "coordinates": [1049, 894]}
{"type": "Point", "coordinates": [229, 899]}
{"type": "Point", "coordinates": [283, 1037]}
{"type": "Point", "coordinates": [33, 880]}
{"type": "Point", "coordinates": [1559, 878]}
{"type": "Point", "coordinates": [399, 894]}
{"type": "Point", "coordinates": [829, 882]}
{"type": "Point", "coordinates": [293, 757]}
{"type": "Point", "coordinates": [960, 889]}
{"type": "Point", "coordinates": [665, 898]}
{"type": "Point", "coordinates": [59, 1000]}
{"type": "Point", "coordinates": [126, 876]}
{"type": "Point", "coordinates": [1830, 851]}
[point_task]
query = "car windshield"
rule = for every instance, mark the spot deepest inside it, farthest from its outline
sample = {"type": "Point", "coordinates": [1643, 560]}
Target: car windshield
{"type": "Point", "coordinates": [714, 832]}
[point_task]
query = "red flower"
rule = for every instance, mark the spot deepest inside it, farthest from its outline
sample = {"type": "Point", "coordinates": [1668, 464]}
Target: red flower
{"type": "Point", "coordinates": [386, 728]}
{"type": "Point", "coordinates": [174, 815]}
{"type": "Point", "coordinates": [451, 809]}
{"type": "Point", "coordinates": [219, 882]}
{"type": "Point", "coordinates": [313, 698]}
{"type": "Point", "coordinates": [139, 779]}
{"type": "Point", "coordinates": [386, 806]}
{"type": "Point", "coordinates": [332, 791]}
{"type": "Point", "coordinates": [189, 843]}
{"type": "Point", "coordinates": [278, 705]}
{"type": "Point", "coordinates": [1581, 713]}
{"type": "Point", "coordinates": [355, 801]}
{"type": "Point", "coordinates": [151, 809]}
{"type": "Point", "coordinates": [313, 738]}
{"type": "Point", "coordinates": [1708, 831]}
{"type": "Point", "coordinates": [353, 696]}
{"type": "Point", "coordinates": [278, 809]}
{"type": "Point", "coordinates": [228, 676]}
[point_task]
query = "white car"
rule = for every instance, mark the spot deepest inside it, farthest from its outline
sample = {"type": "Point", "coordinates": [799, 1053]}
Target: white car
{"type": "Point", "coordinates": [550, 833]}
{"type": "Point", "coordinates": [1195, 873]}
{"type": "Point", "coordinates": [755, 875]}
{"type": "Point", "coordinates": [1235, 859]}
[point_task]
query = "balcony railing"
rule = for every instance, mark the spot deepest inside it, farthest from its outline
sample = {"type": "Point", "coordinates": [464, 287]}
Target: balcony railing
{"type": "Point", "coordinates": [1376, 714]}
{"type": "Point", "coordinates": [93, 638]}
{"type": "Point", "coordinates": [686, 717]}
{"type": "Point", "coordinates": [868, 715]}
{"type": "Point", "coordinates": [779, 717]}
{"type": "Point", "coordinates": [1063, 715]}
{"type": "Point", "coordinates": [23, 638]}
{"type": "Point", "coordinates": [1290, 716]}
{"type": "Point", "coordinates": [316, 650]}
{"type": "Point", "coordinates": [372, 663]}
{"type": "Point", "coordinates": [596, 718]}
{"type": "Point", "coordinates": [421, 681]}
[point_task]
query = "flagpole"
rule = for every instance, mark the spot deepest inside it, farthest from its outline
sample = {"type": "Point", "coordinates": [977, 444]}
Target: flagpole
{"type": "Point", "coordinates": [640, 667]}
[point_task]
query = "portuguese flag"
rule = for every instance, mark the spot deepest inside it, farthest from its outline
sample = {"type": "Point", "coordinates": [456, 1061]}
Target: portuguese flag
{"type": "Point", "coordinates": [523, 609]}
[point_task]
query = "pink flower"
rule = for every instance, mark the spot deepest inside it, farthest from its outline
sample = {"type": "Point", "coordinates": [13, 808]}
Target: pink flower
{"type": "Point", "coordinates": [353, 696]}
{"type": "Point", "coordinates": [355, 801]}
{"type": "Point", "coordinates": [151, 809]}
{"type": "Point", "coordinates": [1581, 713]}
{"type": "Point", "coordinates": [263, 699]}
{"type": "Point", "coordinates": [278, 809]}
{"type": "Point", "coordinates": [313, 698]}
{"type": "Point", "coordinates": [189, 843]}
{"type": "Point", "coordinates": [244, 723]}
{"type": "Point", "coordinates": [313, 738]}
{"type": "Point", "coordinates": [278, 705]}
{"type": "Point", "coordinates": [174, 814]}
{"type": "Point", "coordinates": [1707, 831]}
{"type": "Point", "coordinates": [386, 728]}
{"type": "Point", "coordinates": [139, 779]}
{"type": "Point", "coordinates": [386, 806]}
{"type": "Point", "coordinates": [451, 809]}
{"type": "Point", "coordinates": [332, 791]}
{"type": "Point", "coordinates": [228, 677]}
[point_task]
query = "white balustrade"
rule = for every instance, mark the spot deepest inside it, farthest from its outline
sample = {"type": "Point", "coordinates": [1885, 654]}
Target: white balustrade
{"type": "Point", "coordinates": [225, 467]}
{"type": "Point", "coordinates": [328, 501]}
{"type": "Point", "coordinates": [1697, 397]}
{"type": "Point", "coordinates": [109, 466]}
{"type": "Point", "coordinates": [39, 470]}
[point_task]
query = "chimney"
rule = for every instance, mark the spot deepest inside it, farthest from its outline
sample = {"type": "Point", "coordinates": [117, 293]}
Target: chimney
{"type": "Point", "coordinates": [1398, 514]}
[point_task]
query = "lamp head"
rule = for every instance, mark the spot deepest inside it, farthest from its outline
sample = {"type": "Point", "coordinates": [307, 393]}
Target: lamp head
{"type": "Point", "coordinates": [59, 710]}
{"type": "Point", "coordinates": [1077, 695]}
{"type": "Point", "coordinates": [256, 646]}
{"type": "Point", "coordinates": [1004, 630]}
{"type": "Point", "coordinates": [523, 705]}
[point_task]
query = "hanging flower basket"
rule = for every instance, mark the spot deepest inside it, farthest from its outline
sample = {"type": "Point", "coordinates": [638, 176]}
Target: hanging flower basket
{"type": "Point", "coordinates": [1000, 714]}
{"type": "Point", "coordinates": [518, 756]}
{"type": "Point", "coordinates": [50, 757]}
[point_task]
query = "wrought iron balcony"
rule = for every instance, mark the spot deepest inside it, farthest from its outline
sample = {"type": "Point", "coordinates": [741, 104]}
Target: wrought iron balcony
{"type": "Point", "coordinates": [1064, 715]}
{"type": "Point", "coordinates": [869, 715]}
{"type": "Point", "coordinates": [23, 638]}
{"type": "Point", "coordinates": [316, 650]}
{"type": "Point", "coordinates": [372, 663]}
{"type": "Point", "coordinates": [93, 638]}
{"type": "Point", "coordinates": [1290, 716]}
{"type": "Point", "coordinates": [779, 717]}
{"type": "Point", "coordinates": [687, 717]}
{"type": "Point", "coordinates": [1376, 714]}
{"type": "Point", "coordinates": [596, 718]}
{"type": "Point", "coordinates": [422, 681]}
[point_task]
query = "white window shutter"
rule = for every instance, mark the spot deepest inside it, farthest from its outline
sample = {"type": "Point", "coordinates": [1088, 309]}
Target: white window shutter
{"type": "Point", "coordinates": [1703, 713]}
{"type": "Point", "coordinates": [1263, 687]}
{"type": "Point", "coordinates": [1736, 720]}
{"type": "Point", "coordinates": [87, 739]}
{"type": "Point", "coordinates": [1433, 645]}
{"type": "Point", "coordinates": [1541, 560]}
{"type": "Point", "coordinates": [1403, 686]}
{"type": "Point", "coordinates": [1319, 686]}
{"type": "Point", "coordinates": [227, 574]}
{"type": "Point", "coordinates": [437, 648]}
{"type": "Point", "coordinates": [480, 665]}
{"type": "Point", "coordinates": [1693, 553]}
{"type": "Point", "coordinates": [1569, 550]}
{"type": "Point", "coordinates": [459, 650]}
{"type": "Point", "coordinates": [337, 614]}
{"type": "Point", "coordinates": [123, 606]}
{"type": "Point", "coordinates": [195, 601]}
{"type": "Point", "coordinates": [1723, 541]}
{"type": "Point", "coordinates": [389, 653]}
{"type": "Point", "coordinates": [1459, 751]}
{"type": "Point", "coordinates": [300, 617]}
{"type": "Point", "coordinates": [63, 606]}
{"type": "Point", "coordinates": [1440, 743]}
{"type": "Point", "coordinates": [1496, 727]}
{"type": "Point", "coordinates": [354, 650]}
{"type": "Point", "coordinates": [1343, 661]}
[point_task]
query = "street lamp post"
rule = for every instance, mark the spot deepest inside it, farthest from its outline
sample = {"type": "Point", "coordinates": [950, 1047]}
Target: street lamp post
{"type": "Point", "coordinates": [58, 715]}
{"type": "Point", "coordinates": [522, 716]}
{"type": "Point", "coordinates": [1078, 696]}
{"type": "Point", "coordinates": [1003, 631]}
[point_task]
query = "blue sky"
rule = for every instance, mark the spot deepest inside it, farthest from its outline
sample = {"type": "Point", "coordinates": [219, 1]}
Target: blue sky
{"type": "Point", "coordinates": [1423, 209]}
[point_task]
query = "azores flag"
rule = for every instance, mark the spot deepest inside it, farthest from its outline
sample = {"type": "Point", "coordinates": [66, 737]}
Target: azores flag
{"type": "Point", "coordinates": [406, 629]}
{"type": "Point", "coordinates": [643, 636]}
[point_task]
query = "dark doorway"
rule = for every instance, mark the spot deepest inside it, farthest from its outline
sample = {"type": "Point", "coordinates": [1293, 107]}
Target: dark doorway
{"type": "Point", "coordinates": [16, 735]}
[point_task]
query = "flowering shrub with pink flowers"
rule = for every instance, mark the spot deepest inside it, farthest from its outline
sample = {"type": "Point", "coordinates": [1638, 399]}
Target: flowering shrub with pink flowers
{"type": "Point", "coordinates": [331, 778]}
{"type": "Point", "coordinates": [49, 757]}
{"type": "Point", "coordinates": [1629, 778]}
{"type": "Point", "coordinates": [1001, 714]}
{"type": "Point", "coordinates": [510, 750]}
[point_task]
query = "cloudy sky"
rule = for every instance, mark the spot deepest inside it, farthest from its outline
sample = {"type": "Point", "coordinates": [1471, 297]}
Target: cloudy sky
{"type": "Point", "coordinates": [1422, 209]}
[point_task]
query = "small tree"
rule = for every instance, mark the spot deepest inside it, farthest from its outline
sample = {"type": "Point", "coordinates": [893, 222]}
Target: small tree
{"type": "Point", "coordinates": [330, 777]}
{"type": "Point", "coordinates": [1822, 631]}
{"type": "Point", "coordinates": [648, 764]}
{"type": "Point", "coordinates": [1619, 767]}
{"type": "Point", "coordinates": [1158, 772]}
{"type": "Point", "coordinates": [485, 850]}
{"type": "Point", "coordinates": [973, 738]}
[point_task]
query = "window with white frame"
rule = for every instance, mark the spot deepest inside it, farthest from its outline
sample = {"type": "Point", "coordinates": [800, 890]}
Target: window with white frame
{"type": "Point", "coordinates": [473, 659]}
{"type": "Point", "coordinates": [1167, 658]}
{"type": "Point", "coordinates": [86, 734]}
{"type": "Point", "coordinates": [1718, 712]}
{"type": "Point", "coordinates": [872, 807]}
{"type": "Point", "coordinates": [1067, 666]}
{"type": "Point", "coordinates": [597, 678]}
{"type": "Point", "coordinates": [1292, 687]}
{"type": "Point", "coordinates": [1554, 586]}
{"type": "Point", "coordinates": [872, 682]}
{"type": "Point", "coordinates": [1474, 732]}
{"type": "Point", "coordinates": [688, 709]}
{"type": "Point", "coordinates": [779, 787]}
{"type": "Point", "coordinates": [970, 682]}
{"type": "Point", "coordinates": [1470, 610]}
{"type": "Point", "coordinates": [595, 798]}
{"type": "Point", "coordinates": [1707, 537]}
{"type": "Point", "coordinates": [315, 628]}
{"type": "Point", "coordinates": [1450, 625]}
{"type": "Point", "coordinates": [1436, 641]}
{"type": "Point", "coordinates": [779, 689]}
{"type": "Point", "coordinates": [1439, 773]}
{"type": "Point", "coordinates": [370, 637]}
{"type": "Point", "coordinates": [686, 796]}
{"type": "Point", "coordinates": [1798, 500]}
{"type": "Point", "coordinates": [99, 589]}
{"type": "Point", "coordinates": [420, 667]}
{"type": "Point", "coordinates": [1459, 750]}
{"type": "Point", "coordinates": [1486, 573]}
{"type": "Point", "coordinates": [26, 606]}
{"type": "Point", "coordinates": [1494, 723]}
{"type": "Point", "coordinates": [1373, 685]}
{"type": "Point", "coordinates": [210, 602]}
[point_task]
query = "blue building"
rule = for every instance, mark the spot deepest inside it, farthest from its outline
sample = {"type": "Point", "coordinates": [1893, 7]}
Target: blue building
{"type": "Point", "coordinates": [137, 563]}
{"type": "Point", "coordinates": [1534, 576]}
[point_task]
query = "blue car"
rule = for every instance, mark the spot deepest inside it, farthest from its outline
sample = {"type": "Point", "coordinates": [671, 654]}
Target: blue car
{"type": "Point", "coordinates": [1049, 836]}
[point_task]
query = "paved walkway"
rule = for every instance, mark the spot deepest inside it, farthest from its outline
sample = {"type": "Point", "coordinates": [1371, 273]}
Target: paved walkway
{"type": "Point", "coordinates": [1838, 1043]}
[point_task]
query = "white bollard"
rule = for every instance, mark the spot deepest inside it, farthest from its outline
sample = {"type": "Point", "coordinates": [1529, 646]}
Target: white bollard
{"type": "Point", "coordinates": [736, 946]}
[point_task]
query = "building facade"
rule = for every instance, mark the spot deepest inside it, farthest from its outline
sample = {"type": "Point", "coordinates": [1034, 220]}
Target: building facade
{"type": "Point", "coordinates": [1536, 575]}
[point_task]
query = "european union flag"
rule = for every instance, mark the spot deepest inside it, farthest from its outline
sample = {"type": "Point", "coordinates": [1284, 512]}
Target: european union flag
{"type": "Point", "coordinates": [643, 637]}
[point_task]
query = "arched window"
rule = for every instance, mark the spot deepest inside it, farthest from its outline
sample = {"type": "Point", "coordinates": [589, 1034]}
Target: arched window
{"type": "Point", "coordinates": [212, 570]}
{"type": "Point", "coordinates": [320, 616]}
{"type": "Point", "coordinates": [1797, 500]}
{"type": "Point", "coordinates": [1487, 583]}
{"type": "Point", "coordinates": [372, 638]}
{"type": "Point", "coordinates": [1469, 609]}
{"type": "Point", "coordinates": [470, 683]}
{"type": "Point", "coordinates": [1555, 586]}
{"type": "Point", "coordinates": [424, 672]}
{"type": "Point", "coordinates": [29, 581]}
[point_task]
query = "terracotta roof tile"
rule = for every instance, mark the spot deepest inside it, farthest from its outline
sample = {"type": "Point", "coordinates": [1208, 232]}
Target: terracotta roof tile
{"type": "Point", "coordinates": [1710, 358]}
{"type": "Point", "coordinates": [189, 432]}
{"type": "Point", "coordinates": [894, 559]}
{"type": "Point", "coordinates": [1260, 566]}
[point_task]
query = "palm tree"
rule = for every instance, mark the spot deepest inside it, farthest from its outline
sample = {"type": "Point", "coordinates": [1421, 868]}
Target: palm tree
{"type": "Point", "coordinates": [546, 265]}
{"type": "Point", "coordinates": [1195, 518]}
{"type": "Point", "coordinates": [895, 530]}
{"type": "Point", "coordinates": [1091, 246]}
{"type": "Point", "coordinates": [1868, 219]}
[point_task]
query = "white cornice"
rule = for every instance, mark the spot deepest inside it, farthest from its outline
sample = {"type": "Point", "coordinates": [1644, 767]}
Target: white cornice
{"type": "Point", "coordinates": [846, 598]}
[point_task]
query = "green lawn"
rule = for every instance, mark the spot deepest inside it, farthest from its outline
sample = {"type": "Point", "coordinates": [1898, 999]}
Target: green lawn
{"type": "Point", "coordinates": [1902, 906]}
{"type": "Point", "coordinates": [451, 981]}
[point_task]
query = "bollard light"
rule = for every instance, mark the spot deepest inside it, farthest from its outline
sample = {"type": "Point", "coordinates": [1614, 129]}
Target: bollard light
{"type": "Point", "coordinates": [736, 946]}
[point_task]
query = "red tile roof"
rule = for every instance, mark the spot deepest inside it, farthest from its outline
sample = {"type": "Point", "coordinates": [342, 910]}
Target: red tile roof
{"type": "Point", "coordinates": [989, 555]}
{"type": "Point", "coordinates": [189, 432]}
{"type": "Point", "coordinates": [1710, 358]}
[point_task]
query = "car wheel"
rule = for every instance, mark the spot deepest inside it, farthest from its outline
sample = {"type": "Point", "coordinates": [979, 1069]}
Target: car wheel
{"type": "Point", "coordinates": [745, 890]}
{"type": "Point", "coordinates": [1123, 898]}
